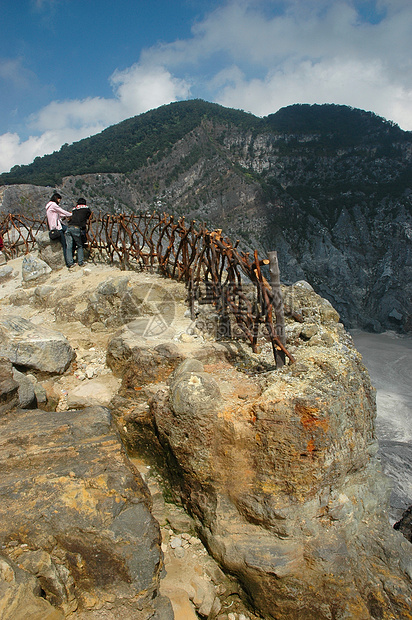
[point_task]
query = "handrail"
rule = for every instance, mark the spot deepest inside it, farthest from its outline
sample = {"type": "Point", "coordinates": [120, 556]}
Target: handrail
{"type": "Point", "coordinates": [212, 268]}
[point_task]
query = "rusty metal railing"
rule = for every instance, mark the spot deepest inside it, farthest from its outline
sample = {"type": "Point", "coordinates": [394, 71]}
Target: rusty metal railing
{"type": "Point", "coordinates": [214, 269]}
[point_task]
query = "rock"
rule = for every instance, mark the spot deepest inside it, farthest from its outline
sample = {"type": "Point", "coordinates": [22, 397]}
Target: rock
{"type": "Point", "coordinates": [34, 269]}
{"type": "Point", "coordinates": [197, 392]}
{"type": "Point", "coordinates": [6, 273]}
{"type": "Point", "coordinates": [97, 391]}
{"type": "Point", "coordinates": [179, 520]}
{"type": "Point", "coordinates": [21, 298]}
{"type": "Point", "coordinates": [182, 607]}
{"type": "Point", "coordinates": [43, 295]}
{"type": "Point", "coordinates": [395, 315]}
{"type": "Point", "coordinates": [8, 387]}
{"type": "Point", "coordinates": [40, 393]}
{"type": "Point", "coordinates": [404, 525]}
{"type": "Point", "coordinates": [308, 331]}
{"type": "Point", "coordinates": [113, 303]}
{"type": "Point", "coordinates": [27, 395]}
{"type": "Point", "coordinates": [81, 518]}
{"type": "Point", "coordinates": [142, 359]}
{"type": "Point", "coordinates": [139, 360]}
{"type": "Point", "coordinates": [286, 477]}
{"type": "Point", "coordinates": [51, 252]}
{"type": "Point", "coordinates": [25, 344]}
{"type": "Point", "coordinates": [20, 595]}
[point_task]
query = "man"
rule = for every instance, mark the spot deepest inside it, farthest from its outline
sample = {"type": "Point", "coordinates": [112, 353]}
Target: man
{"type": "Point", "coordinates": [76, 232]}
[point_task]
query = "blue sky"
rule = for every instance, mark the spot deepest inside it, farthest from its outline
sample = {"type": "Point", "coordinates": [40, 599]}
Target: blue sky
{"type": "Point", "coordinates": [70, 68]}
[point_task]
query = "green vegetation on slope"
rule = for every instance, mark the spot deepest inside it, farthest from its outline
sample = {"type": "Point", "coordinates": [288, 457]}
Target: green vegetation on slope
{"type": "Point", "coordinates": [128, 145]}
{"type": "Point", "coordinates": [131, 144]}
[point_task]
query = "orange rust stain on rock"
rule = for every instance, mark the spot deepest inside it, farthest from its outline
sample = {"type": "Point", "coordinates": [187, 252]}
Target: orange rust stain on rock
{"type": "Point", "coordinates": [309, 418]}
{"type": "Point", "coordinates": [311, 446]}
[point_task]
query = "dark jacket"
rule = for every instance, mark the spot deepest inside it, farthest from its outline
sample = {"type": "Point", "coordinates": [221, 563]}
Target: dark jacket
{"type": "Point", "coordinates": [80, 216]}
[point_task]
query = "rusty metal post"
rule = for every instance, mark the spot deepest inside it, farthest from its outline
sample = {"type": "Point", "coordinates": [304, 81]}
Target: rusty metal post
{"type": "Point", "coordinates": [277, 302]}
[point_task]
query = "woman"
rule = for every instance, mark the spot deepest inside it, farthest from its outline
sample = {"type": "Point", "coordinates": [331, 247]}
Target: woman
{"type": "Point", "coordinates": [55, 213]}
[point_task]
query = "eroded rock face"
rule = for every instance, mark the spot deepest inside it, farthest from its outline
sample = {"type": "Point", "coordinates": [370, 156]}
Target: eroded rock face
{"type": "Point", "coordinates": [81, 522]}
{"type": "Point", "coordinates": [8, 387]}
{"type": "Point", "coordinates": [283, 486]}
{"type": "Point", "coordinates": [26, 344]}
{"type": "Point", "coordinates": [279, 471]}
{"type": "Point", "coordinates": [20, 595]}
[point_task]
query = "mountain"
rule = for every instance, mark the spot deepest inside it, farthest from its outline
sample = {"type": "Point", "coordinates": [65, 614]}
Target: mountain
{"type": "Point", "coordinates": [327, 186]}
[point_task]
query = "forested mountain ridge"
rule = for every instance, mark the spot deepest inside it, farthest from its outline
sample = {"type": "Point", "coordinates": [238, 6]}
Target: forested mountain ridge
{"type": "Point", "coordinates": [329, 187]}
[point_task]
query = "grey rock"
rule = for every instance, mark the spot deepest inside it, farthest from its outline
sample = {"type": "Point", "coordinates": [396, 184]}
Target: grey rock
{"type": "Point", "coordinates": [34, 269]}
{"type": "Point", "coordinates": [43, 295]}
{"type": "Point", "coordinates": [164, 609]}
{"type": "Point", "coordinates": [40, 393]}
{"type": "Point", "coordinates": [194, 392]}
{"type": "Point", "coordinates": [26, 344]}
{"type": "Point", "coordinates": [51, 252]}
{"type": "Point", "coordinates": [6, 273]}
{"type": "Point", "coordinates": [27, 394]}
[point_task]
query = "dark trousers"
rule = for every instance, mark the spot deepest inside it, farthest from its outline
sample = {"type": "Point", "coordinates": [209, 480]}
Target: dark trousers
{"type": "Point", "coordinates": [63, 242]}
{"type": "Point", "coordinates": [74, 238]}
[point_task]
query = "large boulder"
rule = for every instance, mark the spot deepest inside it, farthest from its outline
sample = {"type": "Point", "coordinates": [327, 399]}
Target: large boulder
{"type": "Point", "coordinates": [26, 344]}
{"type": "Point", "coordinates": [284, 485]}
{"type": "Point", "coordinates": [75, 515]}
{"type": "Point", "coordinates": [51, 252]}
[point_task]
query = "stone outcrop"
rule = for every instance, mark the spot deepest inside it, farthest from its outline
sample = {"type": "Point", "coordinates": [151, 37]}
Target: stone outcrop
{"type": "Point", "coordinates": [276, 469]}
{"type": "Point", "coordinates": [31, 346]}
{"type": "Point", "coordinates": [81, 520]}
{"type": "Point", "coordinates": [34, 269]}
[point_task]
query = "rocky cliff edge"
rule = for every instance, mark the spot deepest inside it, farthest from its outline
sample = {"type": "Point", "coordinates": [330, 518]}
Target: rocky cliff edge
{"type": "Point", "coordinates": [276, 469]}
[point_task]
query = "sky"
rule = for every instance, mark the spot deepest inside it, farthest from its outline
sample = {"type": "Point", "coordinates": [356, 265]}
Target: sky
{"type": "Point", "coordinates": [71, 68]}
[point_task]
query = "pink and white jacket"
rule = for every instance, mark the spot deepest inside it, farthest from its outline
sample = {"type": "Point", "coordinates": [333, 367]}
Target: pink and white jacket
{"type": "Point", "coordinates": [54, 215]}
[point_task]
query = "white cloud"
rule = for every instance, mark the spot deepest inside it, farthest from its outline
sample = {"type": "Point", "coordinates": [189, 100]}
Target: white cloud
{"type": "Point", "coordinates": [14, 151]}
{"type": "Point", "coordinates": [136, 90]}
{"type": "Point", "coordinates": [316, 51]}
{"type": "Point", "coordinates": [352, 83]}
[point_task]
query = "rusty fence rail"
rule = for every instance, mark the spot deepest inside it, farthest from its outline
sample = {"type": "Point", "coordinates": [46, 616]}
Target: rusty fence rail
{"type": "Point", "coordinates": [214, 270]}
